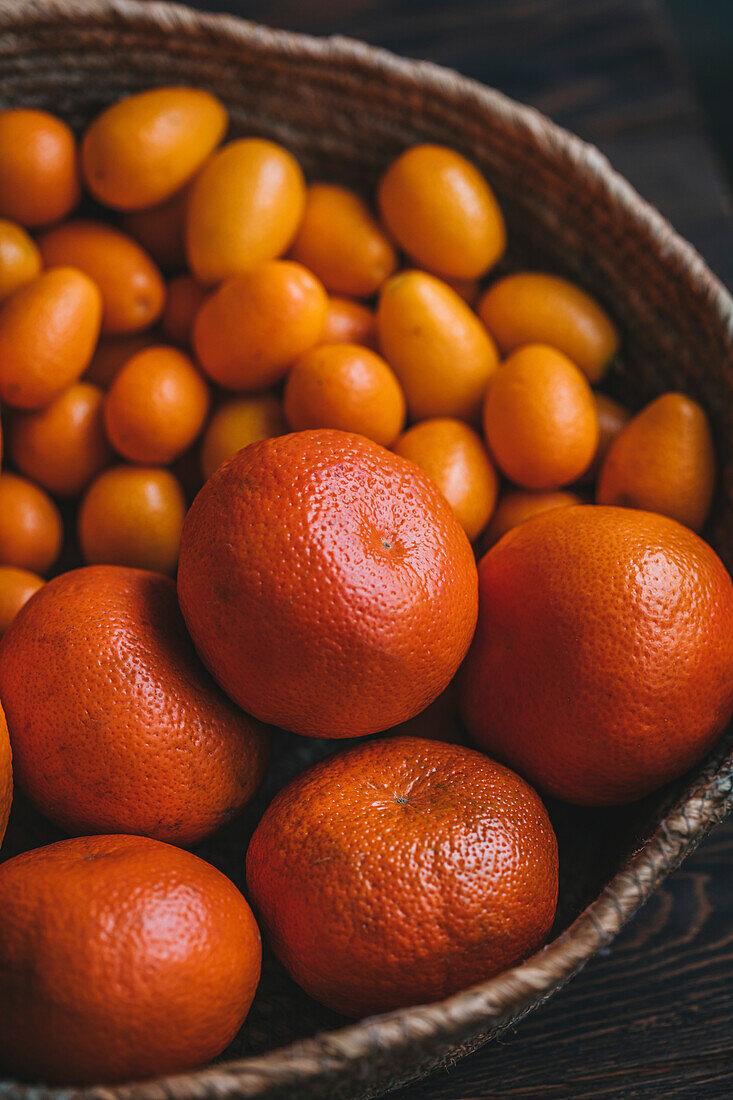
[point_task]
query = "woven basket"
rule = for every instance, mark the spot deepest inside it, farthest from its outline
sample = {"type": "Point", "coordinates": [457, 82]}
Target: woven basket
{"type": "Point", "coordinates": [344, 109]}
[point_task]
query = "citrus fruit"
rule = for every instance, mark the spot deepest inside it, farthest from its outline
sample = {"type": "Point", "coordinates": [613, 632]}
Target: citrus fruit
{"type": "Point", "coordinates": [602, 665]}
{"type": "Point", "coordinates": [348, 322]}
{"type": "Point", "coordinates": [30, 525]}
{"type": "Point", "coordinates": [237, 423]}
{"type": "Point", "coordinates": [441, 210]}
{"type": "Point", "coordinates": [254, 326]}
{"type": "Point", "coordinates": [518, 505]}
{"type": "Point", "coordinates": [20, 260]}
{"type": "Point", "coordinates": [340, 241]}
{"type": "Point", "coordinates": [48, 332]}
{"type": "Point", "coordinates": [612, 417]}
{"type": "Point", "coordinates": [326, 584]}
{"type": "Point", "coordinates": [156, 406]}
{"type": "Point", "coordinates": [400, 872]}
{"type": "Point", "coordinates": [16, 588]}
{"type": "Point", "coordinates": [244, 207]}
{"type": "Point", "coordinates": [132, 288]}
{"type": "Point", "coordinates": [119, 729]}
{"type": "Point", "coordinates": [39, 174]}
{"type": "Point", "coordinates": [151, 969]}
{"type": "Point", "coordinates": [663, 461]}
{"type": "Point", "coordinates": [132, 515]}
{"type": "Point", "coordinates": [533, 308]}
{"type": "Point", "coordinates": [161, 230]}
{"type": "Point", "coordinates": [6, 775]}
{"type": "Point", "coordinates": [348, 387]}
{"type": "Point", "coordinates": [455, 458]}
{"type": "Point", "coordinates": [62, 446]}
{"type": "Point", "coordinates": [112, 352]}
{"type": "Point", "coordinates": [439, 350]}
{"type": "Point", "coordinates": [184, 298]}
{"type": "Point", "coordinates": [540, 419]}
{"type": "Point", "coordinates": [144, 148]}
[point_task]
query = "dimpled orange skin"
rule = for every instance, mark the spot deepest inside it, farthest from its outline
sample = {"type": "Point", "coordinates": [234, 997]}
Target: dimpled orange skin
{"type": "Point", "coordinates": [16, 588]}
{"type": "Point", "coordinates": [31, 531]}
{"type": "Point", "coordinates": [237, 423]}
{"type": "Point", "coordinates": [20, 260]}
{"type": "Point", "coordinates": [156, 406]}
{"type": "Point", "coordinates": [161, 230]}
{"type": "Point", "coordinates": [132, 515]}
{"type": "Point", "coordinates": [250, 330]}
{"type": "Point", "coordinates": [120, 729]}
{"type": "Point", "coordinates": [63, 446]}
{"type": "Point", "coordinates": [132, 288]}
{"type": "Point", "coordinates": [244, 208]}
{"type": "Point", "coordinates": [602, 665]}
{"type": "Point", "coordinates": [349, 322]}
{"type": "Point", "coordinates": [518, 505]}
{"type": "Point", "coordinates": [341, 242]}
{"type": "Point", "coordinates": [441, 353]}
{"type": "Point", "coordinates": [184, 298]}
{"type": "Point", "coordinates": [540, 419]}
{"type": "Point", "coordinates": [39, 173]}
{"type": "Point", "coordinates": [141, 150]}
{"type": "Point", "coordinates": [534, 308]}
{"type": "Point", "coordinates": [327, 584]}
{"type": "Point", "coordinates": [48, 332]}
{"type": "Point", "coordinates": [612, 417]}
{"type": "Point", "coordinates": [152, 969]}
{"type": "Point", "coordinates": [442, 212]}
{"type": "Point", "coordinates": [663, 461]}
{"type": "Point", "coordinates": [427, 857]}
{"type": "Point", "coordinates": [6, 775]}
{"type": "Point", "coordinates": [454, 456]}
{"type": "Point", "coordinates": [347, 387]}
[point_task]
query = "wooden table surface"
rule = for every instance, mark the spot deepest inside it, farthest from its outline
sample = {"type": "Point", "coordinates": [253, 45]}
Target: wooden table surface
{"type": "Point", "coordinates": [651, 1018]}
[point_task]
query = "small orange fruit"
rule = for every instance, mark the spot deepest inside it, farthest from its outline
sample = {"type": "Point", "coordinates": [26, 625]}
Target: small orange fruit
{"type": "Point", "coordinates": [341, 243]}
{"type": "Point", "coordinates": [16, 588]}
{"type": "Point", "coordinates": [144, 148]}
{"type": "Point", "coordinates": [437, 347]}
{"type": "Point", "coordinates": [245, 207]}
{"type": "Point", "coordinates": [612, 417]}
{"type": "Point", "coordinates": [518, 505]}
{"type": "Point", "coordinates": [663, 461]}
{"type": "Point", "coordinates": [120, 728]}
{"type": "Point", "coordinates": [348, 387]}
{"type": "Point", "coordinates": [333, 569]}
{"type": "Point", "coordinates": [468, 289]}
{"type": "Point", "coordinates": [133, 515]}
{"type": "Point", "coordinates": [533, 308]}
{"type": "Point", "coordinates": [48, 332]}
{"type": "Point", "coordinates": [161, 230]}
{"type": "Point", "coordinates": [540, 419]}
{"type": "Point", "coordinates": [132, 288]}
{"type": "Point", "coordinates": [111, 354]}
{"type": "Point", "coordinates": [39, 174]}
{"type": "Point", "coordinates": [6, 775]}
{"type": "Point", "coordinates": [237, 423]}
{"type": "Point", "coordinates": [602, 665]}
{"type": "Point", "coordinates": [156, 406]}
{"type": "Point", "coordinates": [183, 300]}
{"type": "Point", "coordinates": [62, 446]}
{"type": "Point", "coordinates": [20, 260]}
{"type": "Point", "coordinates": [441, 210]}
{"type": "Point", "coordinates": [455, 458]}
{"type": "Point", "coordinates": [30, 525]}
{"type": "Point", "coordinates": [349, 322]}
{"type": "Point", "coordinates": [250, 330]}
{"type": "Point", "coordinates": [152, 969]}
{"type": "Point", "coordinates": [428, 857]}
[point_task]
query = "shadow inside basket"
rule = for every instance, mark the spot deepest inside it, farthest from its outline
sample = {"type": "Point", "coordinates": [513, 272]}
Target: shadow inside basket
{"type": "Point", "coordinates": [594, 845]}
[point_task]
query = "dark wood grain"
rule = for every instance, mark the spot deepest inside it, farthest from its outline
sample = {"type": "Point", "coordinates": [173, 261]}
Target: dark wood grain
{"type": "Point", "coordinates": [652, 1017]}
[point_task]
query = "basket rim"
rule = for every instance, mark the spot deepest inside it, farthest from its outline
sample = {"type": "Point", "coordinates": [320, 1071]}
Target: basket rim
{"type": "Point", "coordinates": [468, 1016]}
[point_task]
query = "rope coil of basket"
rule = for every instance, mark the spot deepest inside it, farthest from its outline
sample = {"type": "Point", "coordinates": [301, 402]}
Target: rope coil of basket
{"type": "Point", "coordinates": [345, 109]}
